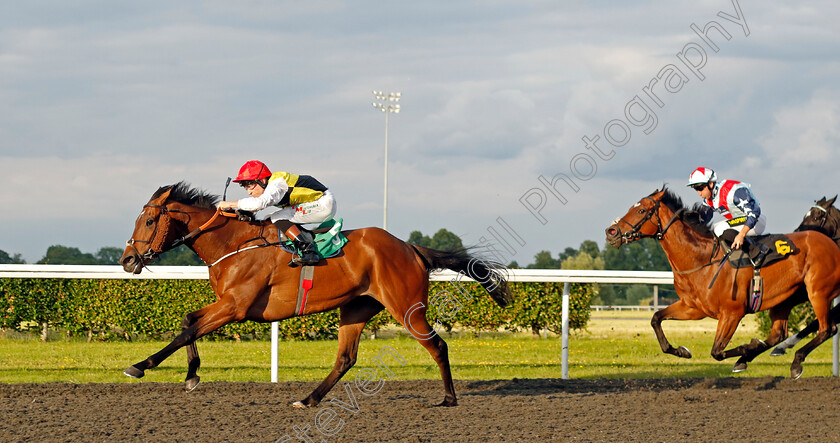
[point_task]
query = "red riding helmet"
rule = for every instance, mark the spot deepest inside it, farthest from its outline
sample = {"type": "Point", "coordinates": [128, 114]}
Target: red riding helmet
{"type": "Point", "coordinates": [253, 170]}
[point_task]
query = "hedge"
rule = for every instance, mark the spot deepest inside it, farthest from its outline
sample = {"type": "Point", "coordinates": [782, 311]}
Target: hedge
{"type": "Point", "coordinates": [126, 309]}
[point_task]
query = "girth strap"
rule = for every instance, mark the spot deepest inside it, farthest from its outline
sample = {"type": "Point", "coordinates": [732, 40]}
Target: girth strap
{"type": "Point", "coordinates": [306, 276]}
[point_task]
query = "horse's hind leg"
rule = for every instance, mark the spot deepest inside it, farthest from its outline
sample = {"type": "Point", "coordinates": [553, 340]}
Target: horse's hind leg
{"type": "Point", "coordinates": [827, 328]}
{"type": "Point", "coordinates": [352, 320]}
{"type": "Point", "coordinates": [799, 356]}
{"type": "Point", "coordinates": [834, 316]}
{"type": "Point", "coordinates": [415, 321]}
{"type": "Point", "coordinates": [677, 311]}
{"type": "Point", "coordinates": [778, 330]}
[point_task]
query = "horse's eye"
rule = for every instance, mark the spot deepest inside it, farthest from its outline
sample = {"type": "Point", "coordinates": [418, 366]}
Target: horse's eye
{"type": "Point", "coordinates": [149, 222]}
{"type": "Point", "coordinates": [642, 210]}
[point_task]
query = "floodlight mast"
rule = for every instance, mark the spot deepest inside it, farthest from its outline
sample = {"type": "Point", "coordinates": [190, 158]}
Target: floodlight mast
{"type": "Point", "coordinates": [387, 102]}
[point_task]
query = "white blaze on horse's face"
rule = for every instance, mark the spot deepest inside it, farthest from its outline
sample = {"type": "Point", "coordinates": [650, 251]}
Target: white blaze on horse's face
{"type": "Point", "coordinates": [637, 205]}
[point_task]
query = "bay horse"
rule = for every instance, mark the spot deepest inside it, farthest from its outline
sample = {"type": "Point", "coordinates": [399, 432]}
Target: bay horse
{"type": "Point", "coordinates": [375, 271]}
{"type": "Point", "coordinates": [812, 275]}
{"type": "Point", "coordinates": [824, 218]}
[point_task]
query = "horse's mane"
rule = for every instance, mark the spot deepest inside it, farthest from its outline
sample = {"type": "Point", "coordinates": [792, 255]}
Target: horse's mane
{"type": "Point", "coordinates": [691, 217]}
{"type": "Point", "coordinates": [183, 193]}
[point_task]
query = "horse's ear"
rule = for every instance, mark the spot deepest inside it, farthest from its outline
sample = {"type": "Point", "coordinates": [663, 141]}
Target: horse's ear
{"type": "Point", "coordinates": [831, 202]}
{"type": "Point", "coordinates": [160, 196]}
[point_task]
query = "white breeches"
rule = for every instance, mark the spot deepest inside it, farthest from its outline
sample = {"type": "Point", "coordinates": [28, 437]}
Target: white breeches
{"type": "Point", "coordinates": [758, 229]}
{"type": "Point", "coordinates": [317, 211]}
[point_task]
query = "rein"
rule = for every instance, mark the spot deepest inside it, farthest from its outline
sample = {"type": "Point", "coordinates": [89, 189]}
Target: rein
{"type": "Point", "coordinates": [636, 234]}
{"type": "Point", "coordinates": [156, 242]}
{"type": "Point", "coordinates": [156, 246]}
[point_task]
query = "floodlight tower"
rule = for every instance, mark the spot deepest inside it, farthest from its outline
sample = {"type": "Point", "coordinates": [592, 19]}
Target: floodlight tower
{"type": "Point", "coordinates": [387, 102]}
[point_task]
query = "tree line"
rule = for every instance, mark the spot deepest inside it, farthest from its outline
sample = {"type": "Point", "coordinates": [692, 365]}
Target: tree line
{"type": "Point", "coordinates": [643, 255]}
{"type": "Point", "coordinates": [66, 255]}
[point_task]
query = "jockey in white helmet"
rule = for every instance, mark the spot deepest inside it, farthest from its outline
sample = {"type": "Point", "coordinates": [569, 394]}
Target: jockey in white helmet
{"type": "Point", "coordinates": [732, 199]}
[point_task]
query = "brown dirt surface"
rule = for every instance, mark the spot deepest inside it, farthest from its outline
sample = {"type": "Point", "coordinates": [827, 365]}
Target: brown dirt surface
{"type": "Point", "coordinates": [706, 410]}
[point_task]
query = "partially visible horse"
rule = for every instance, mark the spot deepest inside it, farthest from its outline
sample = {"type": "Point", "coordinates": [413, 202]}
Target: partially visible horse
{"type": "Point", "coordinates": [810, 275]}
{"type": "Point", "coordinates": [375, 271]}
{"type": "Point", "coordinates": [822, 217]}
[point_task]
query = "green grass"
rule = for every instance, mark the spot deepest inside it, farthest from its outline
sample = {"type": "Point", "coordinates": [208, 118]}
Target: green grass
{"type": "Point", "coordinates": [615, 345]}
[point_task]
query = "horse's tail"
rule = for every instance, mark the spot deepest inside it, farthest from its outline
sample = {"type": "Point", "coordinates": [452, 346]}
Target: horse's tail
{"type": "Point", "coordinates": [491, 276]}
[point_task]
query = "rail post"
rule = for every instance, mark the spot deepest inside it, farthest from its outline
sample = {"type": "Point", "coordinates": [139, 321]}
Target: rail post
{"type": "Point", "coordinates": [564, 369]}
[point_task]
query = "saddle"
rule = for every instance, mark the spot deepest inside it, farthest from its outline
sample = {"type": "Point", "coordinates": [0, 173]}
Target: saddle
{"type": "Point", "coordinates": [780, 247]}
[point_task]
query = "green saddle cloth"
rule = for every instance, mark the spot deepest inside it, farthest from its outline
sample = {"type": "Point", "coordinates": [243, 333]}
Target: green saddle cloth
{"type": "Point", "coordinates": [329, 243]}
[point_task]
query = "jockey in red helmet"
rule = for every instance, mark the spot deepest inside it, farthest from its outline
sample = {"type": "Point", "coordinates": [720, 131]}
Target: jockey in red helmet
{"type": "Point", "coordinates": [735, 201]}
{"type": "Point", "coordinates": [301, 199]}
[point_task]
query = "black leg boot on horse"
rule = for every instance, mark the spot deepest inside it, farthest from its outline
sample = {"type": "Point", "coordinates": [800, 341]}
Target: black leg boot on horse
{"type": "Point", "coordinates": [303, 240]}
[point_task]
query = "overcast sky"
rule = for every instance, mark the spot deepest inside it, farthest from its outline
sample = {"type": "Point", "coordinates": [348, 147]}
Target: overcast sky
{"type": "Point", "coordinates": [102, 102]}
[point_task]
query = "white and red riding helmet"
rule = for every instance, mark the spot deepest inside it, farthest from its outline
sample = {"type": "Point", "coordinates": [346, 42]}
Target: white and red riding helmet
{"type": "Point", "coordinates": [702, 175]}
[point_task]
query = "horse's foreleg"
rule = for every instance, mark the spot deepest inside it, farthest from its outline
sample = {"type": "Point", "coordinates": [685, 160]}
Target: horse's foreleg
{"type": "Point", "coordinates": [352, 320]}
{"type": "Point", "coordinates": [193, 363]}
{"type": "Point", "coordinates": [205, 321]}
{"type": "Point", "coordinates": [193, 360]}
{"type": "Point", "coordinates": [727, 324]}
{"type": "Point", "coordinates": [677, 311]}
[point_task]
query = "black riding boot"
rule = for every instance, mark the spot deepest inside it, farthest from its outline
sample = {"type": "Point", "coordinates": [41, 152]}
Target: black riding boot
{"type": "Point", "coordinates": [302, 240]}
{"type": "Point", "coordinates": [306, 245]}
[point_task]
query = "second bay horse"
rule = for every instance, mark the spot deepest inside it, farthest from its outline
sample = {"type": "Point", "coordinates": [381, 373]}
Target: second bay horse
{"type": "Point", "coordinates": [822, 217]}
{"type": "Point", "coordinates": [812, 275]}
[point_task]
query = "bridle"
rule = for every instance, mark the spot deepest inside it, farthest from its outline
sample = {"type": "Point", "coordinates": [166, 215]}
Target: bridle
{"type": "Point", "coordinates": [157, 241]}
{"type": "Point", "coordinates": [635, 234]}
{"type": "Point", "coordinates": [821, 226]}
{"type": "Point", "coordinates": [635, 231]}
{"type": "Point", "coordinates": [825, 215]}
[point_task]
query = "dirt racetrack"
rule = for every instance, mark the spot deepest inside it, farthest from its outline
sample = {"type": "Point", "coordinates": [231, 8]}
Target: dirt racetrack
{"type": "Point", "coordinates": [728, 409]}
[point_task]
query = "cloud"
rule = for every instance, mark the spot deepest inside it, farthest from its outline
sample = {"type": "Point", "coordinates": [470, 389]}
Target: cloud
{"type": "Point", "coordinates": [101, 103]}
{"type": "Point", "coordinates": [805, 134]}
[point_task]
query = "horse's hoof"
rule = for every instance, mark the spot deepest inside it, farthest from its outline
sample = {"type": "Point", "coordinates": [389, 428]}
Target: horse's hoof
{"type": "Point", "coordinates": [447, 403]}
{"type": "Point", "coordinates": [777, 351]}
{"type": "Point", "coordinates": [192, 383]}
{"type": "Point", "coordinates": [795, 373]}
{"type": "Point", "coordinates": [135, 372]}
{"type": "Point", "coordinates": [299, 405]}
{"type": "Point", "coordinates": [739, 367]}
{"type": "Point", "coordinates": [683, 352]}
